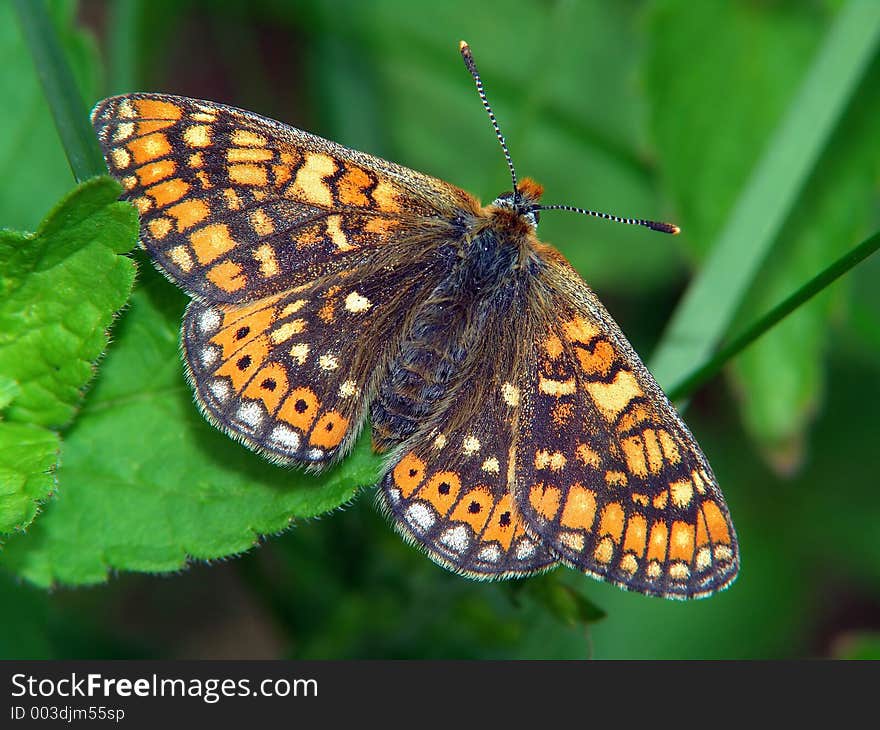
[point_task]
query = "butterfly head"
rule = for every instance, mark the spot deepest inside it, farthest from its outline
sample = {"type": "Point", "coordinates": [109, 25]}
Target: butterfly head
{"type": "Point", "coordinates": [524, 201]}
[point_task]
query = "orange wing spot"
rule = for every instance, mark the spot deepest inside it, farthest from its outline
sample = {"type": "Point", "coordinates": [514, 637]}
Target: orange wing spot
{"type": "Point", "coordinates": [716, 523]}
{"type": "Point", "coordinates": [657, 541]}
{"type": "Point", "coordinates": [308, 236]}
{"type": "Point", "coordinates": [611, 522]}
{"type": "Point", "coordinates": [639, 413]}
{"type": "Point", "coordinates": [500, 526]}
{"type": "Point", "coordinates": [474, 508]}
{"type": "Point", "coordinates": [237, 154]}
{"type": "Point", "coordinates": [634, 453]}
{"type": "Point", "coordinates": [280, 174]}
{"type": "Point", "coordinates": [380, 226]}
{"type": "Point", "coordinates": [167, 192]}
{"type": "Point", "coordinates": [227, 276]}
{"type": "Point", "coordinates": [149, 148]}
{"type": "Point", "coordinates": [197, 135]}
{"type": "Point", "coordinates": [241, 367]}
{"type": "Point", "coordinates": [310, 185]}
{"type": "Point", "coordinates": [156, 109]}
{"type": "Point", "coordinates": [385, 196]}
{"type": "Point", "coordinates": [599, 360]}
{"type": "Point", "coordinates": [234, 313]}
{"type": "Point", "coordinates": [670, 448]}
{"type": "Point", "coordinates": [243, 332]}
{"type": "Point", "coordinates": [562, 414]}
{"type": "Point", "coordinates": [652, 449]}
{"type": "Point", "coordinates": [269, 385]}
{"type": "Point", "coordinates": [604, 551]}
{"type": "Point", "coordinates": [579, 330]}
{"type": "Point", "coordinates": [300, 408]}
{"type": "Point", "coordinates": [682, 492]}
{"type": "Point", "coordinates": [702, 531]}
{"type": "Point", "coordinates": [636, 535]}
{"type": "Point", "coordinates": [545, 500]}
{"type": "Point", "coordinates": [615, 479]}
{"type": "Point", "coordinates": [152, 126]}
{"type": "Point", "coordinates": [182, 258]}
{"type": "Point", "coordinates": [211, 242]}
{"type": "Point", "coordinates": [441, 491]}
{"type": "Point", "coordinates": [246, 138]}
{"type": "Point", "coordinates": [261, 223]}
{"type": "Point", "coordinates": [189, 212]}
{"type": "Point", "coordinates": [160, 227]}
{"type": "Point", "coordinates": [248, 174]}
{"type": "Point", "coordinates": [196, 160]}
{"type": "Point", "coordinates": [552, 346]}
{"type": "Point", "coordinates": [334, 230]}
{"type": "Point", "coordinates": [204, 180]}
{"type": "Point", "coordinates": [588, 456]}
{"type": "Point", "coordinates": [233, 202]}
{"type": "Point", "coordinates": [641, 499]}
{"type": "Point", "coordinates": [265, 254]}
{"type": "Point", "coordinates": [661, 500]}
{"type": "Point", "coordinates": [329, 430]}
{"type": "Point", "coordinates": [580, 508]}
{"type": "Point", "coordinates": [611, 398]}
{"type": "Point", "coordinates": [681, 543]}
{"type": "Point", "coordinates": [351, 187]}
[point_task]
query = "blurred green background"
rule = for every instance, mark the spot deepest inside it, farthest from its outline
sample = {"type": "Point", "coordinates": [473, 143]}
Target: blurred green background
{"type": "Point", "coordinates": [653, 109]}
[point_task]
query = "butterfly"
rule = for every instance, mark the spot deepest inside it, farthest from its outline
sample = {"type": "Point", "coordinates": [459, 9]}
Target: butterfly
{"type": "Point", "coordinates": [330, 287]}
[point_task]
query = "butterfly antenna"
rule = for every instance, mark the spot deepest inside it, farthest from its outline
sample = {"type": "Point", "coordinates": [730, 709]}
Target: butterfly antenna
{"type": "Point", "coordinates": [472, 67]}
{"type": "Point", "coordinates": [653, 225]}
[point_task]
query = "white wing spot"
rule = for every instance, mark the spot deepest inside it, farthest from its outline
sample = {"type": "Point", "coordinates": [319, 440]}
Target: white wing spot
{"type": "Point", "coordinates": [220, 389]}
{"type": "Point", "coordinates": [328, 362]}
{"type": "Point", "coordinates": [456, 538]}
{"type": "Point", "coordinates": [471, 445]}
{"type": "Point", "coordinates": [348, 389]}
{"type": "Point", "coordinates": [209, 355]}
{"type": "Point", "coordinates": [420, 517]}
{"type": "Point", "coordinates": [524, 549]}
{"type": "Point", "coordinates": [510, 393]}
{"type": "Point", "coordinates": [490, 553]}
{"type": "Point", "coordinates": [315, 454]}
{"type": "Point", "coordinates": [491, 465]}
{"type": "Point", "coordinates": [300, 352]}
{"type": "Point", "coordinates": [285, 437]}
{"type": "Point", "coordinates": [356, 302]}
{"type": "Point", "coordinates": [440, 441]}
{"type": "Point", "coordinates": [251, 414]}
{"type": "Point", "coordinates": [209, 320]}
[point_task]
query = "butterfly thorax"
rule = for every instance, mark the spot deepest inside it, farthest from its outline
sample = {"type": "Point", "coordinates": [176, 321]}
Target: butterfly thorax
{"type": "Point", "coordinates": [485, 283]}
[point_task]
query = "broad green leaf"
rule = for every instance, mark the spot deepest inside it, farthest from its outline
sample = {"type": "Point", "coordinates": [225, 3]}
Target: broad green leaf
{"type": "Point", "coordinates": [28, 456]}
{"type": "Point", "coordinates": [863, 646]}
{"type": "Point", "coordinates": [59, 291]}
{"type": "Point", "coordinates": [147, 484]}
{"type": "Point", "coordinates": [752, 64]}
{"type": "Point", "coordinates": [32, 162]}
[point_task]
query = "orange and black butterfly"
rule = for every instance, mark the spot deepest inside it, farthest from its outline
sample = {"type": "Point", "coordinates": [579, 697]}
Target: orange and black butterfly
{"type": "Point", "coordinates": [329, 287]}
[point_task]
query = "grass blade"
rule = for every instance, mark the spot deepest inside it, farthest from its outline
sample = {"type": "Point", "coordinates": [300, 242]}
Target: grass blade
{"type": "Point", "coordinates": [68, 110]}
{"type": "Point", "coordinates": [713, 298]}
{"type": "Point", "coordinates": [696, 378]}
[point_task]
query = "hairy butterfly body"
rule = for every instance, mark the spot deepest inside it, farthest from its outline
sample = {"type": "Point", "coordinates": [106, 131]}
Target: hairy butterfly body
{"type": "Point", "coordinates": [330, 287]}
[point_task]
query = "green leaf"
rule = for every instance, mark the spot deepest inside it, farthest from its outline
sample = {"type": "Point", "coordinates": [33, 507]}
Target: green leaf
{"type": "Point", "coordinates": [32, 162]}
{"type": "Point", "coordinates": [799, 79]}
{"type": "Point", "coordinates": [27, 461]}
{"type": "Point", "coordinates": [148, 484]}
{"type": "Point", "coordinates": [861, 646]}
{"type": "Point", "coordinates": [59, 291]}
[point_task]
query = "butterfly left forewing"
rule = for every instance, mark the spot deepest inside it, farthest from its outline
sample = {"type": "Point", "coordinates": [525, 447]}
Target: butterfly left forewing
{"type": "Point", "coordinates": [607, 474]}
{"type": "Point", "coordinates": [235, 206]}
